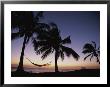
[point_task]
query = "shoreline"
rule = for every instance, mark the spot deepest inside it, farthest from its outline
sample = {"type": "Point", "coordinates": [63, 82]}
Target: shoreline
{"type": "Point", "coordinates": [76, 73]}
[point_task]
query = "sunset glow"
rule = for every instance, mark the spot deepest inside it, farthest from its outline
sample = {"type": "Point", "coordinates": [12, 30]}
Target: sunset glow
{"type": "Point", "coordinates": [83, 27]}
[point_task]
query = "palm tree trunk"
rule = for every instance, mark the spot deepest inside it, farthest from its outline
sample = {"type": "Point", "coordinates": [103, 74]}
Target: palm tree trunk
{"type": "Point", "coordinates": [20, 66]}
{"type": "Point", "coordinates": [56, 58]}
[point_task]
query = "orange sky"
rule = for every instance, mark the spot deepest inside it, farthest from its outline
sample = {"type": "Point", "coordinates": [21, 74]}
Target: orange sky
{"type": "Point", "coordinates": [82, 26]}
{"type": "Point", "coordinates": [67, 63]}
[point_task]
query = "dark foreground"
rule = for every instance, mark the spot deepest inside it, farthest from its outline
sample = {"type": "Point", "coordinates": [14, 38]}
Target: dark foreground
{"type": "Point", "coordinates": [77, 73]}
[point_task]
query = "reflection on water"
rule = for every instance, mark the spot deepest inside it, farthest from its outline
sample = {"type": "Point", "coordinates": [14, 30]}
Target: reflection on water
{"type": "Point", "coordinates": [39, 70]}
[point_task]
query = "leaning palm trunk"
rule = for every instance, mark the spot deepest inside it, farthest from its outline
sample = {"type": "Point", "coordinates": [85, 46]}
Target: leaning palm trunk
{"type": "Point", "coordinates": [20, 66]}
{"type": "Point", "coordinates": [56, 66]}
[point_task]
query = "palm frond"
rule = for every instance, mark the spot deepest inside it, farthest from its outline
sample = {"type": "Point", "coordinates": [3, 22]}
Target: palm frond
{"type": "Point", "coordinates": [53, 25]}
{"type": "Point", "coordinates": [62, 55]}
{"type": "Point", "coordinates": [42, 49]}
{"type": "Point", "coordinates": [43, 26]}
{"type": "Point", "coordinates": [94, 44]}
{"type": "Point", "coordinates": [88, 46]}
{"type": "Point", "coordinates": [91, 49]}
{"type": "Point", "coordinates": [43, 35]}
{"type": "Point", "coordinates": [16, 35]}
{"type": "Point", "coordinates": [16, 19]}
{"type": "Point", "coordinates": [47, 52]}
{"type": "Point", "coordinates": [87, 56]}
{"type": "Point", "coordinates": [98, 53]}
{"type": "Point", "coordinates": [67, 40]}
{"type": "Point", "coordinates": [86, 51]}
{"type": "Point", "coordinates": [91, 56]}
{"type": "Point", "coordinates": [35, 44]}
{"type": "Point", "coordinates": [98, 60]}
{"type": "Point", "coordinates": [98, 50]}
{"type": "Point", "coordinates": [27, 40]}
{"type": "Point", "coordinates": [54, 30]}
{"type": "Point", "coordinates": [69, 52]}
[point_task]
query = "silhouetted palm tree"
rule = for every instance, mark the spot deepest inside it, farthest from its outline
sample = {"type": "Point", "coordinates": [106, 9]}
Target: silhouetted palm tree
{"type": "Point", "coordinates": [25, 24]}
{"type": "Point", "coordinates": [92, 51]}
{"type": "Point", "coordinates": [50, 41]}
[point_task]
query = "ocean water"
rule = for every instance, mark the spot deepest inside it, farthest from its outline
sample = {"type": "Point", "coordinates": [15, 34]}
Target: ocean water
{"type": "Point", "coordinates": [41, 70]}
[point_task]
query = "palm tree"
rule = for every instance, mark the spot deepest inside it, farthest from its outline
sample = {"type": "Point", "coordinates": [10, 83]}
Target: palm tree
{"type": "Point", "coordinates": [50, 41]}
{"type": "Point", "coordinates": [25, 24]}
{"type": "Point", "coordinates": [92, 51]}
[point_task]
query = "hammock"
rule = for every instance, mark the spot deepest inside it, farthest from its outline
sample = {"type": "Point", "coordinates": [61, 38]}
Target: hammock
{"type": "Point", "coordinates": [39, 64]}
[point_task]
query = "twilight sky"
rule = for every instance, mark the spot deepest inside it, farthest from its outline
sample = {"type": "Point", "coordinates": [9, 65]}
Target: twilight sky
{"type": "Point", "coordinates": [82, 26]}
